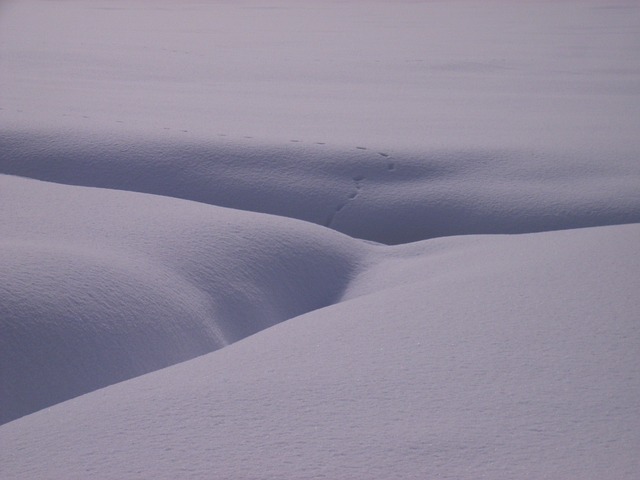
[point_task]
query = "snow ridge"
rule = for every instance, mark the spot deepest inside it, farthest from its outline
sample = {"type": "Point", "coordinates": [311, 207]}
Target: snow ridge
{"type": "Point", "coordinates": [303, 184]}
{"type": "Point", "coordinates": [392, 198]}
{"type": "Point", "coordinates": [98, 286]}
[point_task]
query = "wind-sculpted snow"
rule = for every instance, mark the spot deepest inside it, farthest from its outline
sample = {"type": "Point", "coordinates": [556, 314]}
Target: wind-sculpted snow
{"type": "Point", "coordinates": [97, 286]}
{"type": "Point", "coordinates": [473, 357]}
{"type": "Point", "coordinates": [389, 197]}
{"type": "Point", "coordinates": [205, 217]}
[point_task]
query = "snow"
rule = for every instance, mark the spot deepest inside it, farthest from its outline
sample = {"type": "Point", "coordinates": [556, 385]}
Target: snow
{"type": "Point", "coordinates": [497, 359]}
{"type": "Point", "coordinates": [319, 239]}
{"type": "Point", "coordinates": [95, 291]}
{"type": "Point", "coordinates": [390, 196]}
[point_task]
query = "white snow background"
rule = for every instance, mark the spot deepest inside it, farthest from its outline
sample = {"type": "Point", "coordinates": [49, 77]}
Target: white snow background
{"type": "Point", "coordinates": [401, 238]}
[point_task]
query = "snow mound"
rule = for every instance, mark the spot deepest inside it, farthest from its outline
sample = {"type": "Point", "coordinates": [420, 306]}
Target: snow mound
{"type": "Point", "coordinates": [127, 130]}
{"type": "Point", "coordinates": [386, 196]}
{"type": "Point", "coordinates": [98, 286]}
{"type": "Point", "coordinates": [471, 357]}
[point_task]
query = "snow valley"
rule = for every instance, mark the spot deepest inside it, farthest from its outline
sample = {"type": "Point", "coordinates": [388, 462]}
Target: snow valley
{"type": "Point", "coordinates": [319, 239]}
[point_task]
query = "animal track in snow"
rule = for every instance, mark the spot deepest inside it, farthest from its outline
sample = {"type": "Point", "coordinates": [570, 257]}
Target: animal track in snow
{"type": "Point", "coordinates": [390, 166]}
{"type": "Point", "coordinates": [357, 179]}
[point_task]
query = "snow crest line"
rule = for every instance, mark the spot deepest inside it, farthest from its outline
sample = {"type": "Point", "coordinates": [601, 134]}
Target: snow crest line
{"type": "Point", "coordinates": [98, 286]}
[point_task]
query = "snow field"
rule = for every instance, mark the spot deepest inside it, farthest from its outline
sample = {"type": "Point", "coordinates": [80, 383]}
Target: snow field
{"type": "Point", "coordinates": [178, 178]}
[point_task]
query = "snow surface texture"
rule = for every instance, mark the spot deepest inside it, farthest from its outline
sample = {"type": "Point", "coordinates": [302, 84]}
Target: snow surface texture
{"type": "Point", "coordinates": [514, 357]}
{"type": "Point", "coordinates": [183, 163]}
{"type": "Point", "coordinates": [95, 292]}
{"type": "Point", "coordinates": [389, 198]}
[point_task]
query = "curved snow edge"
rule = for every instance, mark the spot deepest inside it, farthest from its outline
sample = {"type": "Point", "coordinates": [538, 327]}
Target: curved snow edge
{"type": "Point", "coordinates": [390, 197]}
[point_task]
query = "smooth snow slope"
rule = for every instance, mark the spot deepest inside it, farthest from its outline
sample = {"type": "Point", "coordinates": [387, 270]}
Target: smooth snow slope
{"type": "Point", "coordinates": [380, 74]}
{"type": "Point", "coordinates": [390, 121]}
{"type": "Point", "coordinates": [385, 196]}
{"type": "Point", "coordinates": [97, 286]}
{"type": "Point", "coordinates": [497, 356]}
{"type": "Point", "coordinates": [474, 357]}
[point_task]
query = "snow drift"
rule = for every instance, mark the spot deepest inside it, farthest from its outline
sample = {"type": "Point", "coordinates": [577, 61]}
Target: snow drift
{"type": "Point", "coordinates": [178, 177]}
{"type": "Point", "coordinates": [455, 358]}
{"type": "Point", "coordinates": [385, 196]}
{"type": "Point", "coordinates": [101, 285]}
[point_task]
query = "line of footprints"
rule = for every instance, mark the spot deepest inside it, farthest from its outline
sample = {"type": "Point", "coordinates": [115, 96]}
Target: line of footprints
{"type": "Point", "coordinates": [357, 180]}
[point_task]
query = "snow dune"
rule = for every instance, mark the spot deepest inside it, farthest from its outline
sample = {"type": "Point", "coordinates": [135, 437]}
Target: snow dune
{"type": "Point", "coordinates": [463, 358]}
{"type": "Point", "coordinates": [102, 285]}
{"type": "Point", "coordinates": [390, 197]}
{"type": "Point", "coordinates": [337, 239]}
